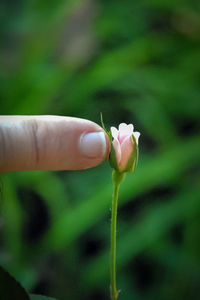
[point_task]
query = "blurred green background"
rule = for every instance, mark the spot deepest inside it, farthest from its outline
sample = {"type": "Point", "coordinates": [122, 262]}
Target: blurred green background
{"type": "Point", "coordinates": [136, 62]}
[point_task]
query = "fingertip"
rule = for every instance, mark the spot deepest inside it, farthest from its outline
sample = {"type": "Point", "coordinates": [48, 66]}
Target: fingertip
{"type": "Point", "coordinates": [94, 146]}
{"type": "Point", "coordinates": [53, 143]}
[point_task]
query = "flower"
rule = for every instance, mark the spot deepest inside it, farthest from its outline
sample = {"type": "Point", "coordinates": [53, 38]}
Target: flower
{"type": "Point", "coordinates": [124, 148]}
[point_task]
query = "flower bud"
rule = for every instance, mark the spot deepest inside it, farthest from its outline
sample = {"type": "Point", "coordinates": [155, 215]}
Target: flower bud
{"type": "Point", "coordinates": [124, 148]}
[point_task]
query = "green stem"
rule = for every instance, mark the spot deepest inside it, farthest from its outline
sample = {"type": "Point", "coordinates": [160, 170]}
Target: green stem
{"type": "Point", "coordinates": [117, 179]}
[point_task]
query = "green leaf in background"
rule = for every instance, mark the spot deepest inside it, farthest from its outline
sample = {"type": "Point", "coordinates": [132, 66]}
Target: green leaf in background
{"type": "Point", "coordinates": [40, 297]}
{"type": "Point", "coordinates": [10, 288]}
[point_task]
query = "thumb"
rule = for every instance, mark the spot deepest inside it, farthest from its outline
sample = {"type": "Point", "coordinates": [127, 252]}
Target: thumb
{"type": "Point", "coordinates": [50, 143]}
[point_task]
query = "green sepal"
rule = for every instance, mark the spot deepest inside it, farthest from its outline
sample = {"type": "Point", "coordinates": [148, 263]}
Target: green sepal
{"type": "Point", "coordinates": [133, 160]}
{"type": "Point", "coordinates": [118, 177]}
{"type": "Point", "coordinates": [112, 158]}
{"type": "Point", "coordinates": [104, 128]}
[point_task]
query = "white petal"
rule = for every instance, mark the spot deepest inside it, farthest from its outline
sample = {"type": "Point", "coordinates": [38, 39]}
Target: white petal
{"type": "Point", "coordinates": [122, 128]}
{"type": "Point", "coordinates": [136, 135]}
{"type": "Point", "coordinates": [126, 151]}
{"type": "Point", "coordinates": [114, 132]}
{"type": "Point", "coordinates": [125, 129]}
{"type": "Point", "coordinates": [117, 148]}
{"type": "Point", "coordinates": [130, 129]}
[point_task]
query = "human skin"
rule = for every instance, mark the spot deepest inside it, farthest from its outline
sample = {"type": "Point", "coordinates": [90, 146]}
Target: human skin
{"type": "Point", "coordinates": [50, 143]}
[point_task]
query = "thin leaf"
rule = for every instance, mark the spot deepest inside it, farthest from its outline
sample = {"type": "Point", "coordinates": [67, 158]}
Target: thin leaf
{"type": "Point", "coordinates": [103, 126]}
{"type": "Point", "coordinates": [40, 297]}
{"type": "Point", "coordinates": [10, 288]}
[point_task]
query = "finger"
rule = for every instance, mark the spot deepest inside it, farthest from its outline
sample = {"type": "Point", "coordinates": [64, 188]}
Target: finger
{"type": "Point", "coordinates": [50, 143]}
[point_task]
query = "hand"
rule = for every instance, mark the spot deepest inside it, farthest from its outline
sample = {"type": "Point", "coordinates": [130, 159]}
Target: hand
{"type": "Point", "coordinates": [50, 143]}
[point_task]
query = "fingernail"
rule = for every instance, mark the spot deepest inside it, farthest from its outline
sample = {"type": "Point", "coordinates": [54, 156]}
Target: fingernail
{"type": "Point", "coordinates": [93, 144]}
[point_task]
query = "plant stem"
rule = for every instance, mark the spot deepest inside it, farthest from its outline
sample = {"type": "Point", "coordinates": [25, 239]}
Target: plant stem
{"type": "Point", "coordinates": [117, 179]}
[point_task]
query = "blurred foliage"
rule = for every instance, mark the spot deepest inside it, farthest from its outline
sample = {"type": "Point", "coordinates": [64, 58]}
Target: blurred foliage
{"type": "Point", "coordinates": [134, 61]}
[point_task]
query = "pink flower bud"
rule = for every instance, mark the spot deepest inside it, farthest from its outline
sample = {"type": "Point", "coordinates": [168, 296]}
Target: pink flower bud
{"type": "Point", "coordinates": [124, 148]}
